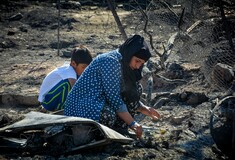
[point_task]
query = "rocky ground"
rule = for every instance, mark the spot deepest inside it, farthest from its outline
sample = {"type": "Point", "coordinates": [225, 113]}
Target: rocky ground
{"type": "Point", "coordinates": [28, 51]}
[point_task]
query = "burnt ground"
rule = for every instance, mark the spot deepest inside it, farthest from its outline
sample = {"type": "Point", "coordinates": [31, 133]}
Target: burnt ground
{"type": "Point", "coordinates": [28, 51]}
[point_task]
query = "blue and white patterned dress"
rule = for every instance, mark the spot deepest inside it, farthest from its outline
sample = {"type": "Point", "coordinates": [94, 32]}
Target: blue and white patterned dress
{"type": "Point", "coordinates": [99, 85]}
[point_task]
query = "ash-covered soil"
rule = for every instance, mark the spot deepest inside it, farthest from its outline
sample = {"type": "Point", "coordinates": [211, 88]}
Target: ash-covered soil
{"type": "Point", "coordinates": [28, 51]}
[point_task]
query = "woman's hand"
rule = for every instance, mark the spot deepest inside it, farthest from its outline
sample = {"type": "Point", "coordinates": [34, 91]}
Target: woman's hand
{"type": "Point", "coordinates": [153, 113]}
{"type": "Point", "coordinates": [137, 128]}
{"type": "Point", "coordinates": [149, 111]}
{"type": "Point", "coordinates": [129, 120]}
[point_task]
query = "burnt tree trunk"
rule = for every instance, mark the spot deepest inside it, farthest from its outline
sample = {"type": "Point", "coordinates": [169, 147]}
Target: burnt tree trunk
{"type": "Point", "coordinates": [115, 15]}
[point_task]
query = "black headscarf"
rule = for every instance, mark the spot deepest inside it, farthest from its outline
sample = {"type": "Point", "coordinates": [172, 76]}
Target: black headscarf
{"type": "Point", "coordinates": [133, 46]}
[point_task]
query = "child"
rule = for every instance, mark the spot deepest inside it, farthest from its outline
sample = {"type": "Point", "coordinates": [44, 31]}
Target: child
{"type": "Point", "coordinates": [57, 84]}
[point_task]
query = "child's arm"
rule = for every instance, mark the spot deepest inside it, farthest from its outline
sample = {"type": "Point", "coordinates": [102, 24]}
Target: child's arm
{"type": "Point", "coordinates": [72, 81]}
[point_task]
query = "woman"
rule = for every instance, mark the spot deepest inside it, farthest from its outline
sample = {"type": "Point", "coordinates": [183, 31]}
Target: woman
{"type": "Point", "coordinates": [107, 91]}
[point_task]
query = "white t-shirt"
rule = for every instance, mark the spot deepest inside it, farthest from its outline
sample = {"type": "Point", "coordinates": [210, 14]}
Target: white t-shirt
{"type": "Point", "coordinates": [54, 77]}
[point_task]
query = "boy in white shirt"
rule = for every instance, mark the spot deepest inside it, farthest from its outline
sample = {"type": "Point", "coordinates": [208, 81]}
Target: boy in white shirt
{"type": "Point", "coordinates": [58, 83]}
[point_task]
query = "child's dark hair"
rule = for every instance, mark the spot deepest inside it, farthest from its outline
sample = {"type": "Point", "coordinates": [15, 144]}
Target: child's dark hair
{"type": "Point", "coordinates": [81, 54]}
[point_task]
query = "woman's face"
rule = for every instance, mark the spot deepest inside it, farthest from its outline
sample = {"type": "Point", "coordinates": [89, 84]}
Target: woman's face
{"type": "Point", "coordinates": [136, 62]}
